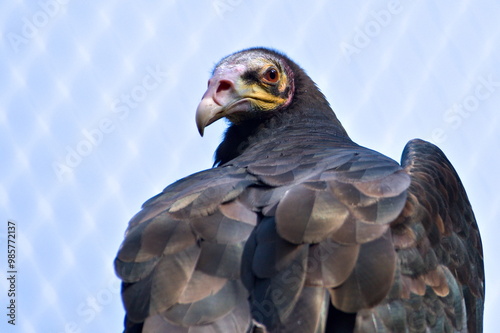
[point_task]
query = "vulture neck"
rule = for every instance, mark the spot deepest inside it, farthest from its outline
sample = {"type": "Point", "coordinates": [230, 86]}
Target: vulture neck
{"type": "Point", "coordinates": [308, 119]}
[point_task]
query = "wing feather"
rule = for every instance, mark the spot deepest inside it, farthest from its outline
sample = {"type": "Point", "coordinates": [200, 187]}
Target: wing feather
{"type": "Point", "coordinates": [181, 256]}
{"type": "Point", "coordinates": [440, 278]}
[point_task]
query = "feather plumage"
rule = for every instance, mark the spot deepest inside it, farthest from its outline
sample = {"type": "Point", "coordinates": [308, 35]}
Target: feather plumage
{"type": "Point", "coordinates": [298, 228]}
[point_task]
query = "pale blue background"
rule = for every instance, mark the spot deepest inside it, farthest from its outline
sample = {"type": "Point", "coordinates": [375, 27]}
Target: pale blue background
{"type": "Point", "coordinates": [391, 70]}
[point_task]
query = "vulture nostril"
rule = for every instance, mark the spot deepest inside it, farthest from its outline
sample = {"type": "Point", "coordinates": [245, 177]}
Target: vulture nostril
{"type": "Point", "coordinates": [224, 85]}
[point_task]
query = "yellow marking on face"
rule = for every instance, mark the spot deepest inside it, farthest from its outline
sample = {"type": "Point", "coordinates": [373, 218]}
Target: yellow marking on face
{"type": "Point", "coordinates": [264, 100]}
{"type": "Point", "coordinates": [283, 82]}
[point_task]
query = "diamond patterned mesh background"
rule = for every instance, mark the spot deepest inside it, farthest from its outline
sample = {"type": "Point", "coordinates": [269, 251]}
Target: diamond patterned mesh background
{"type": "Point", "coordinates": [97, 109]}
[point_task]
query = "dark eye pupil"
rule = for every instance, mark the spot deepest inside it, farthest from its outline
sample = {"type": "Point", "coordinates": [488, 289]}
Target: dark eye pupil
{"type": "Point", "coordinates": [271, 75]}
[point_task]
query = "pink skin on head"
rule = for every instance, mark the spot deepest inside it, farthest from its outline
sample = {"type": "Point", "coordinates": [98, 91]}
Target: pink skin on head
{"type": "Point", "coordinates": [221, 97]}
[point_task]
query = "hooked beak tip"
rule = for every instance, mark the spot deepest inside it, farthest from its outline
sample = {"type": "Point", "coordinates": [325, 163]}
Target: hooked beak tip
{"type": "Point", "coordinates": [201, 131]}
{"type": "Point", "coordinates": [206, 113]}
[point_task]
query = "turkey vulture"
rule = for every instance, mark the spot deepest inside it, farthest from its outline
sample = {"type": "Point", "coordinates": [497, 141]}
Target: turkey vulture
{"type": "Point", "coordinates": [297, 228]}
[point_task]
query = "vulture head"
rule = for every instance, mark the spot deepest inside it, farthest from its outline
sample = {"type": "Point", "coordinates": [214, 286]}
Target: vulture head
{"type": "Point", "coordinates": [262, 91]}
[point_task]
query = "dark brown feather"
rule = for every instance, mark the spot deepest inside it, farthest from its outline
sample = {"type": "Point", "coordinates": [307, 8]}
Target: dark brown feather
{"type": "Point", "coordinates": [370, 280]}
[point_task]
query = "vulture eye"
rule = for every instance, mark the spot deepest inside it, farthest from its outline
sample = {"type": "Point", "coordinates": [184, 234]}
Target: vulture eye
{"type": "Point", "coordinates": [271, 75]}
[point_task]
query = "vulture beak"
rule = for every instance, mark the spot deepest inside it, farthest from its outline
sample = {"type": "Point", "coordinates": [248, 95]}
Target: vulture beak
{"type": "Point", "coordinates": [222, 97]}
{"type": "Point", "coordinates": [208, 111]}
